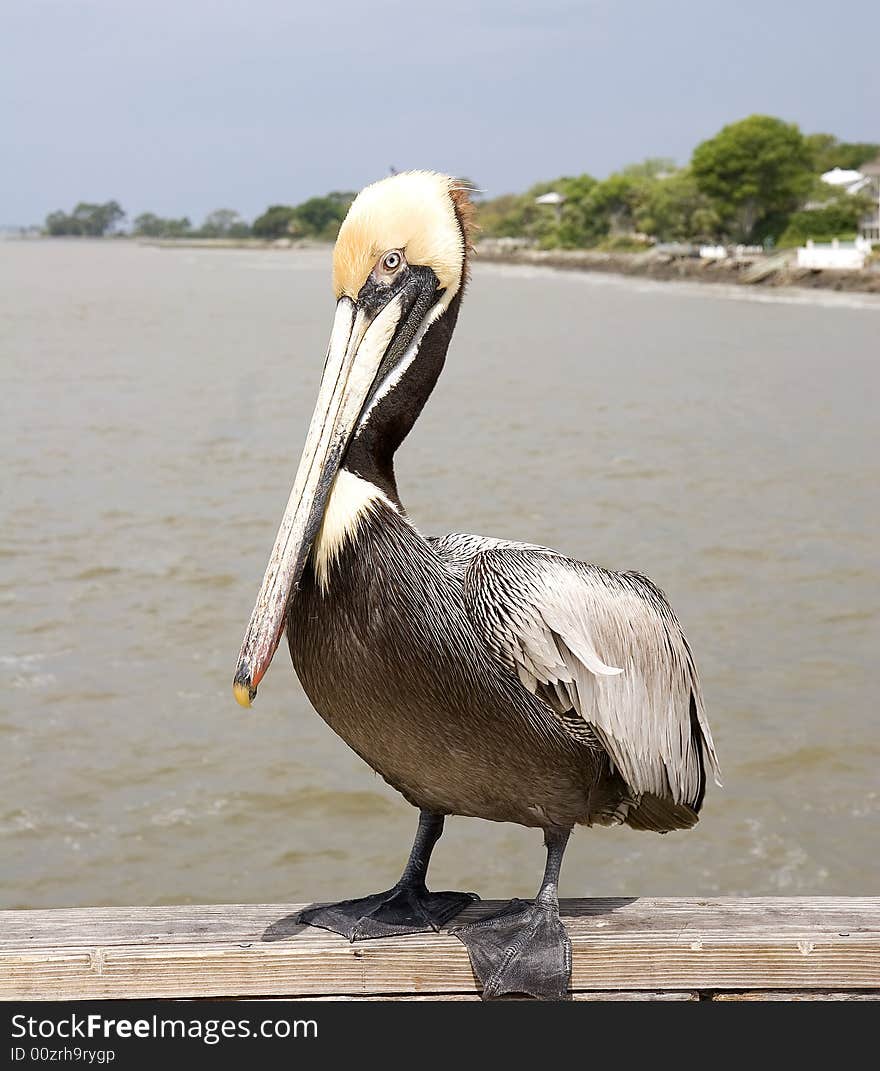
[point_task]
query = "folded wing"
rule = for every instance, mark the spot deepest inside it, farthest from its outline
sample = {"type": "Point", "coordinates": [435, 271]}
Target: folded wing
{"type": "Point", "coordinates": [605, 651]}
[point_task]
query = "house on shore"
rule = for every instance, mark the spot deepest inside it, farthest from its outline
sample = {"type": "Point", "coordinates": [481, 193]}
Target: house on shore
{"type": "Point", "coordinates": [845, 179]}
{"type": "Point", "coordinates": [869, 228]}
{"type": "Point", "coordinates": [867, 182]}
{"type": "Point", "coordinates": [554, 199]}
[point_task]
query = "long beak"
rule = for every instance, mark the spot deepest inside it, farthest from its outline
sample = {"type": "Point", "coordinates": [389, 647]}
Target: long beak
{"type": "Point", "coordinates": [358, 343]}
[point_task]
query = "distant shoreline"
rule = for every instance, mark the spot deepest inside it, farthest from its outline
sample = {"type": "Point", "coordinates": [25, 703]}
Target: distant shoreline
{"type": "Point", "coordinates": [762, 272]}
{"type": "Point", "coordinates": [279, 244]}
{"type": "Point", "coordinates": [741, 271]}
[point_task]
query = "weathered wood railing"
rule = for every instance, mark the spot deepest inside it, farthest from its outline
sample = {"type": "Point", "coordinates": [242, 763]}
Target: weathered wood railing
{"type": "Point", "coordinates": [643, 949]}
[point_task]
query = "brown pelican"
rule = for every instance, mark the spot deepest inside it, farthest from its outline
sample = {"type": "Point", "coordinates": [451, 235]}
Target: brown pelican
{"type": "Point", "coordinates": [479, 677]}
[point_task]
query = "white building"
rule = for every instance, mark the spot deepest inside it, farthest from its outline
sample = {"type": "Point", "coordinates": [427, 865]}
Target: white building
{"type": "Point", "coordinates": [554, 199]}
{"type": "Point", "coordinates": [842, 256]}
{"type": "Point", "coordinates": [866, 181]}
{"type": "Point", "coordinates": [869, 228]}
{"type": "Point", "coordinates": [551, 198]}
{"type": "Point", "coordinates": [851, 181]}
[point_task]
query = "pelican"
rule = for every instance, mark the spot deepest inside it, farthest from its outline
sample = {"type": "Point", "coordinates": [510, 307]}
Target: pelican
{"type": "Point", "coordinates": [478, 677]}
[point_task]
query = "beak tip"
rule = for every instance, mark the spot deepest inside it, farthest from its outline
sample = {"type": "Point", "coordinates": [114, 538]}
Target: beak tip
{"type": "Point", "coordinates": [242, 695]}
{"type": "Point", "coordinates": [242, 689]}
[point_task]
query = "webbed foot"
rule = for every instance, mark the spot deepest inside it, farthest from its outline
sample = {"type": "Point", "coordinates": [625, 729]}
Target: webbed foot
{"type": "Point", "coordinates": [522, 949]}
{"type": "Point", "coordinates": [406, 908]}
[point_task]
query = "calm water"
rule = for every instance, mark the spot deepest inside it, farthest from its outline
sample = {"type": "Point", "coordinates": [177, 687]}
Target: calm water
{"type": "Point", "coordinates": [155, 405]}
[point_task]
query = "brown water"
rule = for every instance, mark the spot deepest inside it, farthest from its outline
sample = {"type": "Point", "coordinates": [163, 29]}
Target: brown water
{"type": "Point", "coordinates": [155, 404]}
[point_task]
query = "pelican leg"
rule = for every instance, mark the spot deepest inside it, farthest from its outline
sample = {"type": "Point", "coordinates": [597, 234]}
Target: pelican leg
{"type": "Point", "coordinates": [524, 947]}
{"type": "Point", "coordinates": [407, 908]}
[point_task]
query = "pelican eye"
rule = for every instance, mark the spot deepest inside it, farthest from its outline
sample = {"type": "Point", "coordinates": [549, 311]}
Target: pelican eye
{"type": "Point", "coordinates": [391, 261]}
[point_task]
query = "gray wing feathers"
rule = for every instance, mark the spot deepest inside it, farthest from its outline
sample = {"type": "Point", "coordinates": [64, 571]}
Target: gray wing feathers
{"type": "Point", "coordinates": [606, 646]}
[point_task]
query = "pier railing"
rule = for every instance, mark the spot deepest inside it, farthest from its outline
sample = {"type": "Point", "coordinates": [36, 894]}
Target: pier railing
{"type": "Point", "coordinates": [623, 949]}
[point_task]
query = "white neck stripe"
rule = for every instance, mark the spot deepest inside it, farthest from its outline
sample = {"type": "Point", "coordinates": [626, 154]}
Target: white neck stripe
{"type": "Point", "coordinates": [396, 374]}
{"type": "Point", "coordinates": [351, 499]}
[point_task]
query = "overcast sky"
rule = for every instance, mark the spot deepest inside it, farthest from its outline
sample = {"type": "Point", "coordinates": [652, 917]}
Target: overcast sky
{"type": "Point", "coordinates": [184, 106]}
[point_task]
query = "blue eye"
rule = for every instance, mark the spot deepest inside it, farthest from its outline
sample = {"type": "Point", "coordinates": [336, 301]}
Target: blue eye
{"type": "Point", "coordinates": [391, 261]}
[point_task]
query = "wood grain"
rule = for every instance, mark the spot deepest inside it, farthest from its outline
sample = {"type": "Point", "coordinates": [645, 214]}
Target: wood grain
{"type": "Point", "coordinates": [680, 946]}
{"type": "Point", "coordinates": [798, 994]}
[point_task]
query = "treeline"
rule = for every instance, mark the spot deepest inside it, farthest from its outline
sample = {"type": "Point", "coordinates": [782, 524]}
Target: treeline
{"type": "Point", "coordinates": [318, 218]}
{"type": "Point", "coordinates": [757, 181]}
{"type": "Point", "coordinates": [86, 220]}
{"type": "Point", "coordinates": [222, 223]}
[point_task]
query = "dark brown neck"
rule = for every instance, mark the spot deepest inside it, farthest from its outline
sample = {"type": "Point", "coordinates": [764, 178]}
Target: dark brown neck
{"type": "Point", "coordinates": [371, 452]}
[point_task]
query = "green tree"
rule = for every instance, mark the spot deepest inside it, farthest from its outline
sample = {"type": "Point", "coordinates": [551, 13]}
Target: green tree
{"type": "Point", "coordinates": [99, 219]}
{"type": "Point", "coordinates": [675, 209]}
{"type": "Point", "coordinates": [827, 152]}
{"type": "Point", "coordinates": [224, 223]}
{"type": "Point", "coordinates": [654, 167]}
{"type": "Point", "coordinates": [86, 220]}
{"type": "Point", "coordinates": [756, 173]}
{"type": "Point", "coordinates": [149, 225]}
{"type": "Point", "coordinates": [502, 217]}
{"type": "Point", "coordinates": [177, 228]}
{"type": "Point", "coordinates": [576, 227]}
{"type": "Point", "coordinates": [617, 203]}
{"type": "Point", "coordinates": [275, 222]}
{"type": "Point", "coordinates": [320, 217]}
{"type": "Point", "coordinates": [518, 216]}
{"type": "Point", "coordinates": [60, 224]}
{"type": "Point", "coordinates": [511, 215]}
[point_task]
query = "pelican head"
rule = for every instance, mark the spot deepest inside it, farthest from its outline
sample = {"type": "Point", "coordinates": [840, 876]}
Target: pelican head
{"type": "Point", "coordinates": [399, 268]}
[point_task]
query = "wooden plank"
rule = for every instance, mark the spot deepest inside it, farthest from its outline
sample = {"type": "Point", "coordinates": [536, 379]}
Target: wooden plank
{"type": "Point", "coordinates": [673, 945]}
{"type": "Point", "coordinates": [800, 994]}
{"type": "Point", "coordinates": [598, 995]}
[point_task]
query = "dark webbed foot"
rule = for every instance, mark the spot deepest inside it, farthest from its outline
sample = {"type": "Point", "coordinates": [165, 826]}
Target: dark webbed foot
{"type": "Point", "coordinates": [404, 909]}
{"type": "Point", "coordinates": [522, 949]}
{"type": "Point", "coordinates": [407, 908]}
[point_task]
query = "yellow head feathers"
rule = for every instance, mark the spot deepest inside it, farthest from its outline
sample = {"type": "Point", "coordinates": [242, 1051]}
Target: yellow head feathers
{"type": "Point", "coordinates": [414, 211]}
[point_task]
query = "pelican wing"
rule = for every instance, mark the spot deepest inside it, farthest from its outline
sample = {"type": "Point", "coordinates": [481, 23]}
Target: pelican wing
{"type": "Point", "coordinates": [602, 649]}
